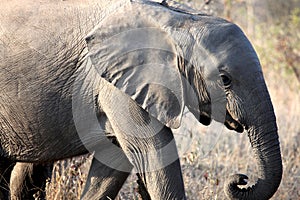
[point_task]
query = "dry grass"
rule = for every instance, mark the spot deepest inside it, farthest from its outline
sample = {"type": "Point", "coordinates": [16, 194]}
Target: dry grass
{"type": "Point", "coordinates": [68, 178]}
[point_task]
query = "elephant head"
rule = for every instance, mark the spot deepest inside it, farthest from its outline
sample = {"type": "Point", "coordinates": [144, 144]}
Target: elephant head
{"type": "Point", "coordinates": [166, 58]}
{"type": "Point", "coordinates": [248, 106]}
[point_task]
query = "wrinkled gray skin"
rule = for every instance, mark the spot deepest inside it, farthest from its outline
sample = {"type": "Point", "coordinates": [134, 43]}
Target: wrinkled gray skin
{"type": "Point", "coordinates": [51, 56]}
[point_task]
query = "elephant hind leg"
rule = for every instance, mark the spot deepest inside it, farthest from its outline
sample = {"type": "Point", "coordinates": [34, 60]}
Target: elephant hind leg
{"type": "Point", "coordinates": [28, 179]}
{"type": "Point", "coordinates": [6, 167]}
{"type": "Point", "coordinates": [18, 177]}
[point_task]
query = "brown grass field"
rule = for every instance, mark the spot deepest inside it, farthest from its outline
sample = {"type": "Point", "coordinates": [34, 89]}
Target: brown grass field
{"type": "Point", "coordinates": [213, 152]}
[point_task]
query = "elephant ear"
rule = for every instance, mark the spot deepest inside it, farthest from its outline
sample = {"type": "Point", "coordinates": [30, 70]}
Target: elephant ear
{"type": "Point", "coordinates": [140, 59]}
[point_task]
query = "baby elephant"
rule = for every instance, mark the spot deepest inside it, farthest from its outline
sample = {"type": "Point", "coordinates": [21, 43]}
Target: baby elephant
{"type": "Point", "coordinates": [74, 73]}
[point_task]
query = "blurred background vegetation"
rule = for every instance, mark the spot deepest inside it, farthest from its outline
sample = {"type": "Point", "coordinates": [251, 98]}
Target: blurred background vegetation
{"type": "Point", "coordinates": [273, 27]}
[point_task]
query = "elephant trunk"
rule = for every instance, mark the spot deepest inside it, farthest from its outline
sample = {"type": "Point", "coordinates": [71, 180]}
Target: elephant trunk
{"type": "Point", "coordinates": [262, 132]}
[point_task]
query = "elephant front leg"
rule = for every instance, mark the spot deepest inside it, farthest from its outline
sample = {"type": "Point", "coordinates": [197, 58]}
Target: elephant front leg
{"type": "Point", "coordinates": [147, 143]}
{"type": "Point", "coordinates": [159, 171]}
{"type": "Point", "coordinates": [103, 182]}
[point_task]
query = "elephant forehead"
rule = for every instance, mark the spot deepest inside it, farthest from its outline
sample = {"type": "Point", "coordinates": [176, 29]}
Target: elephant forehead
{"type": "Point", "coordinates": [226, 48]}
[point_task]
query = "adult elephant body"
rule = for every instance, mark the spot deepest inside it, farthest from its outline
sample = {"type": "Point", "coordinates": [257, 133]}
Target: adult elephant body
{"type": "Point", "coordinates": [66, 91]}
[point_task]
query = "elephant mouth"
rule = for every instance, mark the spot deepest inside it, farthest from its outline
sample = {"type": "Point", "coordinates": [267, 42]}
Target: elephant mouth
{"type": "Point", "coordinates": [232, 124]}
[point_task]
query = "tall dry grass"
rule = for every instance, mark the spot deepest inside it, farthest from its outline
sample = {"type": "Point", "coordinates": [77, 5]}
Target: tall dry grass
{"type": "Point", "coordinates": [68, 178]}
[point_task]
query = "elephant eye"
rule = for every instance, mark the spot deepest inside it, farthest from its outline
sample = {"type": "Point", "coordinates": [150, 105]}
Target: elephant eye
{"type": "Point", "coordinates": [226, 80]}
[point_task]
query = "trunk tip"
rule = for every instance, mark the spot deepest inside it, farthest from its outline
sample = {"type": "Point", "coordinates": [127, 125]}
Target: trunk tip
{"type": "Point", "coordinates": [231, 188]}
{"type": "Point", "coordinates": [261, 190]}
